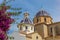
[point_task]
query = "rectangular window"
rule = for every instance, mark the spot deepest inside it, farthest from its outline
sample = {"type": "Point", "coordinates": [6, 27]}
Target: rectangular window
{"type": "Point", "coordinates": [20, 28]}
{"type": "Point", "coordinates": [36, 37]}
{"type": "Point", "coordinates": [45, 19]}
{"type": "Point", "coordinates": [37, 20]}
{"type": "Point", "coordinates": [31, 28]}
{"type": "Point", "coordinates": [26, 27]}
{"type": "Point", "coordinates": [51, 29]}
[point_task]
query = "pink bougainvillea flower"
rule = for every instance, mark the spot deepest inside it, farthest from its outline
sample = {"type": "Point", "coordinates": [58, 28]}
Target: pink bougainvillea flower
{"type": "Point", "coordinates": [3, 35]}
{"type": "Point", "coordinates": [5, 22]}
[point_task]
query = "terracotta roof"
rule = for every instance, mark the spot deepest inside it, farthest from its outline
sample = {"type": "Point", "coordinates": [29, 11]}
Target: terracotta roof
{"type": "Point", "coordinates": [54, 23]}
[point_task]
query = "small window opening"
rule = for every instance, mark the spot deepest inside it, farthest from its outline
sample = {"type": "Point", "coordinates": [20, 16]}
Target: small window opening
{"type": "Point", "coordinates": [36, 37]}
{"type": "Point", "coordinates": [37, 20]}
{"type": "Point", "coordinates": [45, 19]}
{"type": "Point", "coordinates": [26, 27]}
{"type": "Point", "coordinates": [51, 29]}
{"type": "Point", "coordinates": [20, 28]}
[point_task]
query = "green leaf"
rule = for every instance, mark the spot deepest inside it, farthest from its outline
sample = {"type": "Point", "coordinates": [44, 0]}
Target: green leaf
{"type": "Point", "coordinates": [14, 13]}
{"type": "Point", "coordinates": [15, 8]}
{"type": "Point", "coordinates": [0, 7]}
{"type": "Point", "coordinates": [8, 7]}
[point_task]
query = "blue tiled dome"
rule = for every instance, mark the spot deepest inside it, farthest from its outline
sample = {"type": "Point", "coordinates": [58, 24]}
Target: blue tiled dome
{"type": "Point", "coordinates": [42, 13]}
{"type": "Point", "coordinates": [26, 20]}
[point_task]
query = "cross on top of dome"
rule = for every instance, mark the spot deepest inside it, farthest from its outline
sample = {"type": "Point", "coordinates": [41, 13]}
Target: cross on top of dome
{"type": "Point", "coordinates": [26, 14]}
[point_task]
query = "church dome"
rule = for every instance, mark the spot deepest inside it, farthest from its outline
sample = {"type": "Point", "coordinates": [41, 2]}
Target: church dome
{"type": "Point", "coordinates": [26, 20]}
{"type": "Point", "coordinates": [42, 13]}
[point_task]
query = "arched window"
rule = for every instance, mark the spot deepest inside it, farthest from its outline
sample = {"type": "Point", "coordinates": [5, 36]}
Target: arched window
{"type": "Point", "coordinates": [51, 29]}
{"type": "Point", "coordinates": [31, 28]}
{"type": "Point", "coordinates": [36, 37]}
{"type": "Point", "coordinates": [26, 27]}
{"type": "Point", "coordinates": [45, 19]}
{"type": "Point", "coordinates": [37, 20]}
{"type": "Point", "coordinates": [40, 19]}
{"type": "Point", "coordinates": [20, 28]}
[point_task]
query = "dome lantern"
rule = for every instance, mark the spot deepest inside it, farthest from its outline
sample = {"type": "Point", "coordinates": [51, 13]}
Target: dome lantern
{"type": "Point", "coordinates": [26, 14]}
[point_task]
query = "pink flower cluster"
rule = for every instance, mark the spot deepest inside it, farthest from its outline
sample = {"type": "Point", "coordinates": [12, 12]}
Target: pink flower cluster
{"type": "Point", "coordinates": [3, 35]}
{"type": "Point", "coordinates": [5, 22]}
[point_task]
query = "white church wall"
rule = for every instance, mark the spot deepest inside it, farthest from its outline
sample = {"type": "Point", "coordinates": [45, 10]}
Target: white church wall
{"type": "Point", "coordinates": [17, 36]}
{"type": "Point", "coordinates": [23, 28]}
{"type": "Point", "coordinates": [28, 28]}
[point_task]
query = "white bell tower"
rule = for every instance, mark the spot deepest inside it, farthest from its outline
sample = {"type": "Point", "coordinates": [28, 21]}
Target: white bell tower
{"type": "Point", "coordinates": [26, 25]}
